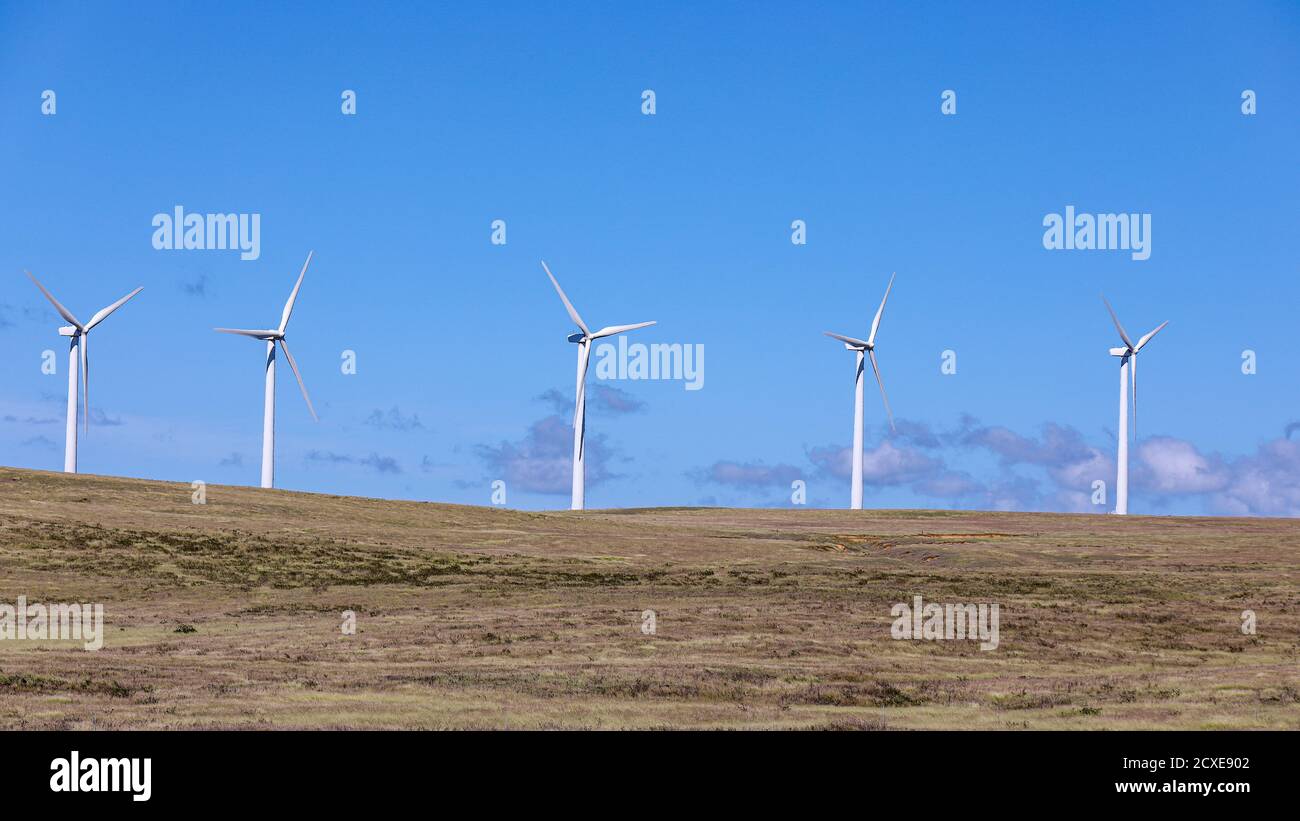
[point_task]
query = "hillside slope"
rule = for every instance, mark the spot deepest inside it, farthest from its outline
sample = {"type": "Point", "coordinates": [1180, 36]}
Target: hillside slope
{"type": "Point", "coordinates": [229, 614]}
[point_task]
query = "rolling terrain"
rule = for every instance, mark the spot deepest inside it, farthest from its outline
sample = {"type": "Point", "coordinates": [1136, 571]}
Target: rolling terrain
{"type": "Point", "coordinates": [229, 614]}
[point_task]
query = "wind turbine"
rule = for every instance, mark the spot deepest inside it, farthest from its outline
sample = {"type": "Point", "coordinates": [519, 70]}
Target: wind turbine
{"type": "Point", "coordinates": [864, 349]}
{"type": "Point", "coordinates": [77, 349]}
{"type": "Point", "coordinates": [1127, 382]}
{"type": "Point", "coordinates": [271, 337]}
{"type": "Point", "coordinates": [583, 341]}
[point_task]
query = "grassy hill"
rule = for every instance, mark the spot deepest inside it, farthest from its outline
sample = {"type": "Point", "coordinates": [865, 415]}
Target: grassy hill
{"type": "Point", "coordinates": [229, 614]}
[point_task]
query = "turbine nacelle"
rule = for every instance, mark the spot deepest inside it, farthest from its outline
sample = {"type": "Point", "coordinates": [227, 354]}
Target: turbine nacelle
{"type": "Point", "coordinates": [868, 346]}
{"type": "Point", "coordinates": [1127, 393]}
{"type": "Point", "coordinates": [865, 349]}
{"type": "Point", "coordinates": [583, 338]}
{"type": "Point", "coordinates": [587, 334]}
{"type": "Point", "coordinates": [81, 332]}
{"type": "Point", "coordinates": [274, 335]}
{"type": "Point", "coordinates": [1130, 347]}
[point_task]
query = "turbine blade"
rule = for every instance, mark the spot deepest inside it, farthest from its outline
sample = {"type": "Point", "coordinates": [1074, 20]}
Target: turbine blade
{"type": "Point", "coordinates": [301, 385]}
{"type": "Point", "coordinates": [85, 383]}
{"type": "Point", "coordinates": [263, 334]}
{"type": "Point", "coordinates": [1144, 340]}
{"type": "Point", "coordinates": [875, 323]}
{"type": "Point", "coordinates": [1118, 327]}
{"type": "Point", "coordinates": [611, 330]}
{"type": "Point", "coordinates": [293, 295]}
{"type": "Point", "coordinates": [881, 383]}
{"type": "Point", "coordinates": [568, 306]}
{"type": "Point", "coordinates": [63, 312]}
{"type": "Point", "coordinates": [103, 313]}
{"type": "Point", "coordinates": [580, 395]}
{"type": "Point", "coordinates": [847, 340]}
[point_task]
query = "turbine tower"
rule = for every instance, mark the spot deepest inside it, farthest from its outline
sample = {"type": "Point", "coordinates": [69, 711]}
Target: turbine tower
{"type": "Point", "coordinates": [583, 340]}
{"type": "Point", "coordinates": [863, 350]}
{"type": "Point", "coordinates": [79, 334]}
{"type": "Point", "coordinates": [1127, 383]}
{"type": "Point", "coordinates": [271, 337]}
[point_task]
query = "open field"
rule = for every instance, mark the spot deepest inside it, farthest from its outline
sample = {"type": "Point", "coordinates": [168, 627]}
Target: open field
{"type": "Point", "coordinates": [228, 615]}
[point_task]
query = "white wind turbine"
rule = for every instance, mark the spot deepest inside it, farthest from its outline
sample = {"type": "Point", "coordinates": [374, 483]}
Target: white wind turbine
{"type": "Point", "coordinates": [80, 335]}
{"type": "Point", "coordinates": [1127, 383]}
{"type": "Point", "coordinates": [864, 349]}
{"type": "Point", "coordinates": [271, 337]}
{"type": "Point", "coordinates": [583, 341]}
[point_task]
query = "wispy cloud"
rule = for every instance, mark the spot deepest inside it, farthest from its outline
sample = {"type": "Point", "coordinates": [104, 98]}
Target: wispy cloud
{"type": "Point", "coordinates": [599, 398]}
{"type": "Point", "coordinates": [43, 442]}
{"type": "Point", "coordinates": [26, 313]}
{"type": "Point", "coordinates": [393, 419]}
{"type": "Point", "coordinates": [98, 417]}
{"type": "Point", "coordinates": [32, 420]}
{"type": "Point", "coordinates": [748, 474]}
{"type": "Point", "coordinates": [197, 287]}
{"type": "Point", "coordinates": [562, 404]}
{"type": "Point", "coordinates": [1263, 483]}
{"type": "Point", "coordinates": [542, 462]}
{"type": "Point", "coordinates": [1063, 466]}
{"type": "Point", "coordinates": [886, 464]}
{"type": "Point", "coordinates": [614, 400]}
{"type": "Point", "coordinates": [377, 463]}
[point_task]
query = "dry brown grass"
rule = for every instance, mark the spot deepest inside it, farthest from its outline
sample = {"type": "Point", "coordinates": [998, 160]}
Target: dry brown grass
{"type": "Point", "coordinates": [475, 617]}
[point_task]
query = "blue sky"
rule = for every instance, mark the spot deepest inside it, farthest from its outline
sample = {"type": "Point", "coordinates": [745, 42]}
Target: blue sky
{"type": "Point", "coordinates": [531, 114]}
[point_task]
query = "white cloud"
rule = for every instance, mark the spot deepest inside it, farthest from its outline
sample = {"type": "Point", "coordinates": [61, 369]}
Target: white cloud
{"type": "Point", "coordinates": [1173, 466]}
